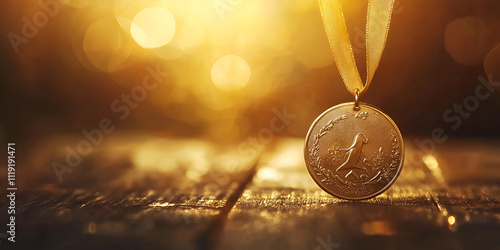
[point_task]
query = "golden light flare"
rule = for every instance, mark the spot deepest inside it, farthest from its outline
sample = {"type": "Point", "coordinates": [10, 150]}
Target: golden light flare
{"type": "Point", "coordinates": [269, 174]}
{"type": "Point", "coordinates": [222, 56]}
{"type": "Point", "coordinates": [152, 156]}
{"type": "Point", "coordinates": [162, 204]}
{"type": "Point", "coordinates": [126, 10]}
{"type": "Point", "coordinates": [289, 156]}
{"type": "Point", "coordinates": [451, 220]}
{"type": "Point", "coordinates": [153, 27]}
{"type": "Point", "coordinates": [105, 47]}
{"type": "Point", "coordinates": [231, 73]}
{"type": "Point", "coordinates": [433, 165]}
{"type": "Point", "coordinates": [226, 48]}
{"type": "Point", "coordinates": [189, 36]}
{"type": "Point", "coordinates": [153, 159]}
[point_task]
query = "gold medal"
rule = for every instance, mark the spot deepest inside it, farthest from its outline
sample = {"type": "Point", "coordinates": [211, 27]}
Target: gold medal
{"type": "Point", "coordinates": [354, 154]}
{"type": "Point", "coordinates": [354, 150]}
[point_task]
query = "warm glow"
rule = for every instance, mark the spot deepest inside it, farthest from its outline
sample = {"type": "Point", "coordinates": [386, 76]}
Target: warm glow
{"type": "Point", "coordinates": [231, 73]}
{"type": "Point", "coordinates": [104, 45]}
{"type": "Point", "coordinates": [269, 174]}
{"type": "Point", "coordinates": [379, 227]}
{"type": "Point", "coordinates": [161, 204]}
{"type": "Point", "coordinates": [290, 154]}
{"type": "Point", "coordinates": [77, 3]}
{"type": "Point", "coordinates": [188, 37]}
{"type": "Point", "coordinates": [451, 220]}
{"type": "Point", "coordinates": [152, 158]}
{"type": "Point", "coordinates": [432, 164]}
{"type": "Point", "coordinates": [153, 27]}
{"type": "Point", "coordinates": [91, 228]}
{"type": "Point", "coordinates": [165, 156]}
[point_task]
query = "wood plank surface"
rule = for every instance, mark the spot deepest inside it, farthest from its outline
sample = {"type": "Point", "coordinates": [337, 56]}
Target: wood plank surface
{"type": "Point", "coordinates": [284, 209]}
{"type": "Point", "coordinates": [137, 192]}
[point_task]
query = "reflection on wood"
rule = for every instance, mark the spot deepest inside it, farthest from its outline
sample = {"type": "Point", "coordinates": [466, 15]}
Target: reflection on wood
{"type": "Point", "coordinates": [416, 213]}
{"type": "Point", "coordinates": [148, 193]}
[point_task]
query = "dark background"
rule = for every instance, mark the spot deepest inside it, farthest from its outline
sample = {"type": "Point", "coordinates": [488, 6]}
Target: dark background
{"type": "Point", "coordinates": [173, 174]}
{"type": "Point", "coordinates": [435, 53]}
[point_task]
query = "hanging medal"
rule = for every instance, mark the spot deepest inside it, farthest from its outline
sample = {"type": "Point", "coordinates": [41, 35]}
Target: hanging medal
{"type": "Point", "coordinates": [354, 150]}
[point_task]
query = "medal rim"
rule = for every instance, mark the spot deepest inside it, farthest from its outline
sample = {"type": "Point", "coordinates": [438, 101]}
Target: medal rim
{"type": "Point", "coordinates": [306, 151]}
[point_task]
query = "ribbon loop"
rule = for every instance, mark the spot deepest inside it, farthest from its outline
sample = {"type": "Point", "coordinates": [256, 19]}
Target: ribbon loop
{"type": "Point", "coordinates": [377, 28]}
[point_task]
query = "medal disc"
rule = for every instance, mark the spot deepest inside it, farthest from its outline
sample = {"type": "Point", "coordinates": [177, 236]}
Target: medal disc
{"type": "Point", "coordinates": [354, 154]}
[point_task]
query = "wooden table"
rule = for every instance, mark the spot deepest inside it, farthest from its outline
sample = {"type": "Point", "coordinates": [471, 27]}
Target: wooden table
{"type": "Point", "coordinates": [138, 192]}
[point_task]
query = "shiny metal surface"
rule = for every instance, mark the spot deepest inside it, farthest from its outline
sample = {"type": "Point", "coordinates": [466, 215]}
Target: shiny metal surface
{"type": "Point", "coordinates": [354, 154]}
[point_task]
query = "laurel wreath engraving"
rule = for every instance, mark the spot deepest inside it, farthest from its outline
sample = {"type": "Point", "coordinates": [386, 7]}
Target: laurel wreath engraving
{"type": "Point", "coordinates": [314, 152]}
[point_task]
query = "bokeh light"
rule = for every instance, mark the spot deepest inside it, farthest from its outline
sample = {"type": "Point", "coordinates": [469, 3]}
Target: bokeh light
{"type": "Point", "coordinates": [188, 37]}
{"type": "Point", "coordinates": [466, 40]}
{"type": "Point", "coordinates": [433, 165]}
{"type": "Point", "coordinates": [230, 63]}
{"type": "Point", "coordinates": [231, 73]}
{"type": "Point", "coordinates": [153, 27]}
{"type": "Point", "coordinates": [105, 46]}
{"type": "Point", "coordinates": [451, 220]}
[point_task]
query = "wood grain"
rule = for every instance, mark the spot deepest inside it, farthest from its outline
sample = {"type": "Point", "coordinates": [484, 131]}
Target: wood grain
{"type": "Point", "coordinates": [189, 197]}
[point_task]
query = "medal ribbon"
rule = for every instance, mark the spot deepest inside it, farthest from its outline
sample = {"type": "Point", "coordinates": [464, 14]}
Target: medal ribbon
{"type": "Point", "coordinates": [378, 20]}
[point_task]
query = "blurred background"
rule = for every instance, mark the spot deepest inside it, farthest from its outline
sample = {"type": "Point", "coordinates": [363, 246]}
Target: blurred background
{"type": "Point", "coordinates": [203, 106]}
{"type": "Point", "coordinates": [229, 63]}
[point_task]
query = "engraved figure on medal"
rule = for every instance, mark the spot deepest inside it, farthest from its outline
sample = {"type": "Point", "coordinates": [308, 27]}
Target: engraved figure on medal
{"type": "Point", "coordinates": [354, 154]}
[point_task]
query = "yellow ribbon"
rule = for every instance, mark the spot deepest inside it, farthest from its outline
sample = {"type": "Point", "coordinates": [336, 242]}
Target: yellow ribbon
{"type": "Point", "coordinates": [378, 20]}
